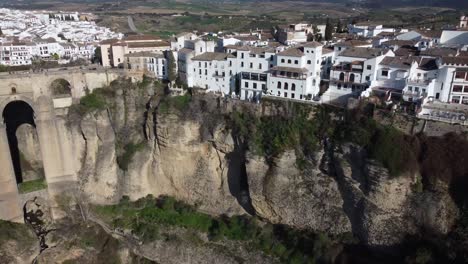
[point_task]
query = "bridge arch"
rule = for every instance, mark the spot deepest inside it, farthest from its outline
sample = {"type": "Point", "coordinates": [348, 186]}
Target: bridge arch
{"type": "Point", "coordinates": [60, 87]}
{"type": "Point", "coordinates": [16, 114]}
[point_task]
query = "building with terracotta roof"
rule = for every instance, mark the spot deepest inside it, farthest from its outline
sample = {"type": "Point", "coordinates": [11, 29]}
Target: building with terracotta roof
{"type": "Point", "coordinates": [113, 52]}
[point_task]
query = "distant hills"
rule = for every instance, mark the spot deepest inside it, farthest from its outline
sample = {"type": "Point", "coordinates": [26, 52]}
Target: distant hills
{"type": "Point", "coordinates": [458, 4]}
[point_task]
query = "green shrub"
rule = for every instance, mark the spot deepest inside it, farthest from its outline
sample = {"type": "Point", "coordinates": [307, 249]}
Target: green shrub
{"type": "Point", "coordinates": [148, 217]}
{"type": "Point", "coordinates": [178, 103]}
{"type": "Point", "coordinates": [92, 101]}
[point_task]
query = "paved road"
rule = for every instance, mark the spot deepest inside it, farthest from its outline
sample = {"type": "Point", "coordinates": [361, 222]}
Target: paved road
{"type": "Point", "coordinates": [131, 24]}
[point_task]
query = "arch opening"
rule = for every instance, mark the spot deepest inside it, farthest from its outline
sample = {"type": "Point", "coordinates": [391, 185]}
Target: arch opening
{"type": "Point", "coordinates": [60, 88]}
{"type": "Point", "coordinates": [18, 117]}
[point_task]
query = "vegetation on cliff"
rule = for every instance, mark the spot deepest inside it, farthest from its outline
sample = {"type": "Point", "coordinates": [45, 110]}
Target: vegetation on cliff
{"type": "Point", "coordinates": [150, 217]}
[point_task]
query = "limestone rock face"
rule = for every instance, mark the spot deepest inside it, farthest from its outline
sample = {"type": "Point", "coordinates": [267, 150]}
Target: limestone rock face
{"type": "Point", "coordinates": [284, 194]}
{"type": "Point", "coordinates": [342, 191]}
{"type": "Point", "coordinates": [194, 157]}
{"type": "Point", "coordinates": [178, 163]}
{"type": "Point", "coordinates": [31, 159]}
{"type": "Point", "coordinates": [99, 174]}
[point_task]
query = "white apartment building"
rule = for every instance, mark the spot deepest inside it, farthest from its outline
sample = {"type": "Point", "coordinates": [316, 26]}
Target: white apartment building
{"type": "Point", "coordinates": [297, 72]}
{"type": "Point", "coordinates": [15, 54]}
{"type": "Point", "coordinates": [184, 55]}
{"type": "Point", "coordinates": [422, 79]}
{"type": "Point", "coordinates": [452, 84]}
{"type": "Point", "coordinates": [213, 71]}
{"type": "Point", "coordinates": [368, 29]}
{"type": "Point", "coordinates": [353, 72]}
{"type": "Point", "coordinates": [251, 67]}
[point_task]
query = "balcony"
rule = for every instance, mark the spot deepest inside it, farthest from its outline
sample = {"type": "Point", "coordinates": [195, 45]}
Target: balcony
{"type": "Point", "coordinates": [419, 81]}
{"type": "Point", "coordinates": [254, 76]}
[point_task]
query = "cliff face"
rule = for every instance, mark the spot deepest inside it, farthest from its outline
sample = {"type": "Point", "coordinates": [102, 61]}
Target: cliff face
{"type": "Point", "coordinates": [193, 156]}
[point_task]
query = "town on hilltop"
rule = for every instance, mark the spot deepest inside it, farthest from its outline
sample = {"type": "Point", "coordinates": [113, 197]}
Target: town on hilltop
{"type": "Point", "coordinates": [419, 71]}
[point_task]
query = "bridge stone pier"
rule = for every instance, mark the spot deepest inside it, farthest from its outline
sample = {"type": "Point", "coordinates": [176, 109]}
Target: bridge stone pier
{"type": "Point", "coordinates": [33, 91]}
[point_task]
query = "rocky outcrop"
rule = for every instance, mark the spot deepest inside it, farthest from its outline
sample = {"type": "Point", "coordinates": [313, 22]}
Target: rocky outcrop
{"type": "Point", "coordinates": [178, 163]}
{"type": "Point", "coordinates": [341, 191]}
{"type": "Point", "coordinates": [194, 157]}
{"type": "Point", "coordinates": [99, 174]}
{"type": "Point", "coordinates": [284, 194]}
{"type": "Point", "coordinates": [30, 153]}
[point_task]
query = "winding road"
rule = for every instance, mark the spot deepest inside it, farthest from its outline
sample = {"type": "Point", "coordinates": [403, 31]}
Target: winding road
{"type": "Point", "coordinates": [131, 24]}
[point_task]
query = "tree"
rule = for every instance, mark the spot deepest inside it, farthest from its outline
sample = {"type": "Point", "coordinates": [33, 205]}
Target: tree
{"type": "Point", "coordinates": [97, 55]}
{"type": "Point", "coordinates": [328, 31]}
{"type": "Point", "coordinates": [171, 67]}
{"type": "Point", "coordinates": [339, 27]}
{"type": "Point", "coordinates": [55, 56]}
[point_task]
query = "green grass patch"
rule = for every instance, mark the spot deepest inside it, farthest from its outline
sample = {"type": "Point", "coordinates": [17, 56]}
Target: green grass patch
{"type": "Point", "coordinates": [31, 186]}
{"type": "Point", "coordinates": [129, 151]}
{"type": "Point", "coordinates": [148, 218]}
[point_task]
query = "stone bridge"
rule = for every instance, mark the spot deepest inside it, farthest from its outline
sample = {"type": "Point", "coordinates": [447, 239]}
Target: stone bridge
{"type": "Point", "coordinates": [23, 92]}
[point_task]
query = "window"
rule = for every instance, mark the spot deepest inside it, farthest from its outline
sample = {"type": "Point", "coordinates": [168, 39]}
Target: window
{"type": "Point", "coordinates": [385, 73]}
{"type": "Point", "coordinates": [465, 100]}
{"type": "Point", "coordinates": [206, 64]}
{"type": "Point", "coordinates": [242, 55]}
{"type": "Point", "coordinates": [296, 62]}
{"type": "Point", "coordinates": [351, 77]}
{"type": "Point", "coordinates": [465, 89]}
{"type": "Point", "coordinates": [456, 99]}
{"type": "Point", "coordinates": [286, 86]}
{"type": "Point", "coordinates": [199, 71]}
{"type": "Point", "coordinates": [459, 75]}
{"type": "Point", "coordinates": [206, 72]}
{"type": "Point", "coordinates": [255, 85]}
{"type": "Point", "coordinates": [199, 64]}
{"type": "Point", "coordinates": [285, 94]}
{"type": "Point", "coordinates": [292, 95]}
{"type": "Point", "coordinates": [246, 84]}
{"type": "Point", "coordinates": [369, 67]}
{"type": "Point", "coordinates": [293, 87]}
{"type": "Point", "coordinates": [242, 64]}
{"type": "Point", "coordinates": [410, 88]}
{"type": "Point", "coordinates": [271, 58]}
{"type": "Point", "coordinates": [230, 63]}
{"type": "Point", "coordinates": [289, 61]}
{"type": "Point", "coordinates": [339, 86]}
{"type": "Point", "coordinates": [259, 66]}
{"type": "Point", "coordinates": [342, 76]}
{"type": "Point", "coordinates": [416, 89]}
{"type": "Point", "coordinates": [367, 78]}
{"type": "Point", "coordinates": [457, 88]}
{"type": "Point", "coordinates": [279, 85]}
{"type": "Point", "coordinates": [309, 62]}
{"type": "Point", "coordinates": [419, 74]}
{"type": "Point", "coordinates": [251, 65]}
{"type": "Point", "coordinates": [282, 60]}
{"type": "Point", "coordinates": [264, 87]}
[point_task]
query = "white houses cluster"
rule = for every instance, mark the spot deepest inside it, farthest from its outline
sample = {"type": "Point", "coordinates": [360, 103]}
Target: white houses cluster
{"type": "Point", "coordinates": [422, 67]}
{"type": "Point", "coordinates": [32, 34]}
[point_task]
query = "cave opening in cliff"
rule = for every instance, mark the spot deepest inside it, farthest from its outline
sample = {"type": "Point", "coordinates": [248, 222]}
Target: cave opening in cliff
{"type": "Point", "coordinates": [15, 114]}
